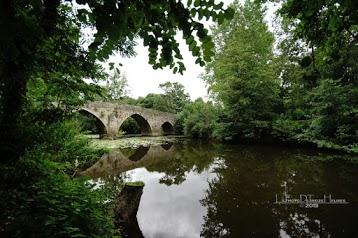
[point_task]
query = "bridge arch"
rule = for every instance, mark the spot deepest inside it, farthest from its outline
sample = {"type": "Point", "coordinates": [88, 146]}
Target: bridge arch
{"type": "Point", "coordinates": [167, 128]}
{"type": "Point", "coordinates": [101, 127]}
{"type": "Point", "coordinates": [145, 128]}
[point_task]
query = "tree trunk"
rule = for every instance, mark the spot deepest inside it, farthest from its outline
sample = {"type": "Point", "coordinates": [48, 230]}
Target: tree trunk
{"type": "Point", "coordinates": [19, 43]}
{"type": "Point", "coordinates": [13, 89]}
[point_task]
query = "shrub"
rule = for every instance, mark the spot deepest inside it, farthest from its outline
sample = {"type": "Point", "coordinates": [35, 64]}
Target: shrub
{"type": "Point", "coordinates": [41, 200]}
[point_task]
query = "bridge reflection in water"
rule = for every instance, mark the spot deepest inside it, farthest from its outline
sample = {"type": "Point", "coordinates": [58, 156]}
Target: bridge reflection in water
{"type": "Point", "coordinates": [114, 164]}
{"type": "Point", "coordinates": [122, 160]}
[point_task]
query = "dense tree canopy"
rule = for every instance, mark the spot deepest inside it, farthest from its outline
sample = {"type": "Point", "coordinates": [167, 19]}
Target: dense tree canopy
{"type": "Point", "coordinates": [199, 119]}
{"type": "Point", "coordinates": [159, 102]}
{"type": "Point", "coordinates": [173, 99]}
{"type": "Point", "coordinates": [242, 75]}
{"type": "Point", "coordinates": [318, 62]}
{"type": "Point", "coordinates": [322, 22]}
{"type": "Point", "coordinates": [44, 39]}
{"type": "Point", "coordinates": [176, 92]}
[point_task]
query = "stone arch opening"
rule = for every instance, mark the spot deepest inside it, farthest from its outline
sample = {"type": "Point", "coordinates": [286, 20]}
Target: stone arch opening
{"type": "Point", "coordinates": [130, 127]}
{"type": "Point", "coordinates": [101, 128]}
{"type": "Point", "coordinates": [144, 126]}
{"type": "Point", "coordinates": [167, 128]}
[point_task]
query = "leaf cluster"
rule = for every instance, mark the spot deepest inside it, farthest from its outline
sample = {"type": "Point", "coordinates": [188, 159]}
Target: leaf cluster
{"type": "Point", "coordinates": [319, 82]}
{"type": "Point", "coordinates": [198, 119]}
{"type": "Point", "coordinates": [156, 22]}
{"type": "Point", "coordinates": [323, 22]}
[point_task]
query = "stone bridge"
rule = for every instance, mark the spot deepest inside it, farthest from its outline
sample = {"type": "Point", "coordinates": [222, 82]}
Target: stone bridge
{"type": "Point", "coordinates": [110, 116]}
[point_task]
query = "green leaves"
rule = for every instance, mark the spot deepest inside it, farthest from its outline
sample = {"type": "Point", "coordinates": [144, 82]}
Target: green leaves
{"type": "Point", "coordinates": [323, 23]}
{"type": "Point", "coordinates": [219, 6]}
{"type": "Point", "coordinates": [318, 94]}
{"type": "Point", "coordinates": [229, 13]}
{"type": "Point", "coordinates": [309, 12]}
{"type": "Point", "coordinates": [196, 3]}
{"type": "Point", "coordinates": [221, 18]}
{"type": "Point", "coordinates": [199, 118]}
{"type": "Point", "coordinates": [111, 65]}
{"type": "Point", "coordinates": [333, 24]}
{"type": "Point", "coordinates": [160, 33]}
{"type": "Point", "coordinates": [241, 79]}
{"type": "Point", "coordinates": [175, 70]}
{"type": "Point", "coordinates": [189, 40]}
{"type": "Point", "coordinates": [208, 45]}
{"type": "Point", "coordinates": [192, 45]}
{"type": "Point", "coordinates": [203, 52]}
{"type": "Point", "coordinates": [72, 207]}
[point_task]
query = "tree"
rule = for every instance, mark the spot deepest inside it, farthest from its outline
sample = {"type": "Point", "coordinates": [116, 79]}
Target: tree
{"type": "Point", "coordinates": [173, 100]}
{"type": "Point", "coordinates": [322, 23]}
{"type": "Point", "coordinates": [40, 42]}
{"type": "Point", "coordinates": [159, 102]}
{"type": "Point", "coordinates": [319, 88]}
{"type": "Point", "coordinates": [199, 119]}
{"type": "Point", "coordinates": [43, 37]}
{"type": "Point", "coordinates": [116, 86]}
{"type": "Point", "coordinates": [298, 75]}
{"type": "Point", "coordinates": [242, 74]}
{"type": "Point", "coordinates": [176, 92]}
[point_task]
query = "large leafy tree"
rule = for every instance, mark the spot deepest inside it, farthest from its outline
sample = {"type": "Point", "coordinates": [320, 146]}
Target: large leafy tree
{"type": "Point", "coordinates": [242, 75]}
{"type": "Point", "coordinates": [298, 74]}
{"type": "Point", "coordinates": [40, 37]}
{"type": "Point", "coordinates": [116, 86]}
{"type": "Point", "coordinates": [320, 80]}
{"type": "Point", "coordinates": [159, 102]}
{"type": "Point", "coordinates": [176, 92]}
{"type": "Point", "coordinates": [199, 118]}
{"type": "Point", "coordinates": [173, 99]}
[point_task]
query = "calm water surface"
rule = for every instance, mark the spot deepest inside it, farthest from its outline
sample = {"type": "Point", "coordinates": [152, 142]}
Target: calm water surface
{"type": "Point", "coordinates": [200, 189]}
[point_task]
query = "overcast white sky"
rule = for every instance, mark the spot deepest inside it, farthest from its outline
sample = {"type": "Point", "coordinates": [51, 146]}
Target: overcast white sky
{"type": "Point", "coordinates": [142, 79]}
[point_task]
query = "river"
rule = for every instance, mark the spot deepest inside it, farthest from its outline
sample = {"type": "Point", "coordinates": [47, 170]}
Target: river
{"type": "Point", "coordinates": [201, 189]}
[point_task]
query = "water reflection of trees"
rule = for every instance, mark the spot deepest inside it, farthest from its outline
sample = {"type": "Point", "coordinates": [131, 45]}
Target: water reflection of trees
{"type": "Point", "coordinates": [240, 199]}
{"type": "Point", "coordinates": [191, 156]}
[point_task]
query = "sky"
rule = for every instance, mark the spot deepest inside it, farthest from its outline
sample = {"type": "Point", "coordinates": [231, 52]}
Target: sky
{"type": "Point", "coordinates": [142, 79]}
